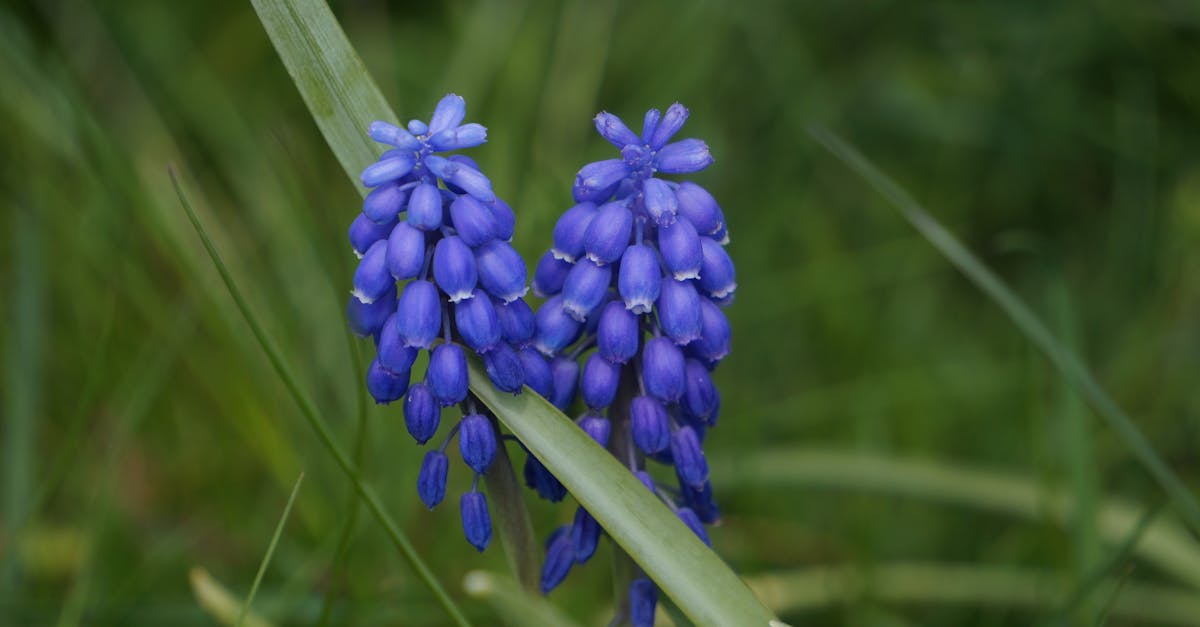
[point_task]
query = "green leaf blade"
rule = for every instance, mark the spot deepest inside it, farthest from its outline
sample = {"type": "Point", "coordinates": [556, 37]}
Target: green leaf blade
{"type": "Point", "coordinates": [683, 567]}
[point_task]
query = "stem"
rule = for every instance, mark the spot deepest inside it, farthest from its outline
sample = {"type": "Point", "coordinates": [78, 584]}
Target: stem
{"type": "Point", "coordinates": [512, 520]}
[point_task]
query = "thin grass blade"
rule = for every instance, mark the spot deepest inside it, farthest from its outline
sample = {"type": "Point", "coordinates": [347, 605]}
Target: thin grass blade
{"type": "Point", "coordinates": [1067, 363]}
{"type": "Point", "coordinates": [266, 560]}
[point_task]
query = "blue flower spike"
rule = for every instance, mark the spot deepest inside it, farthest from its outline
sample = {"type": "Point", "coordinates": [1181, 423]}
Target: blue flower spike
{"type": "Point", "coordinates": [635, 283]}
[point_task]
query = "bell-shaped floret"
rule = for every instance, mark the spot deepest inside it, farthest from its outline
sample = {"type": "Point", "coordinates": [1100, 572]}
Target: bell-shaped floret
{"type": "Point", "coordinates": [384, 203]}
{"type": "Point", "coordinates": [649, 424]}
{"type": "Point", "coordinates": [682, 253]}
{"type": "Point", "coordinates": [454, 268]}
{"type": "Point", "coordinates": [421, 413]}
{"type": "Point", "coordinates": [384, 385]}
{"type": "Point", "coordinates": [689, 457]}
{"type": "Point", "coordinates": [477, 322]}
{"type": "Point", "coordinates": [597, 181]}
{"type": "Point", "coordinates": [570, 232]}
{"type": "Point", "coordinates": [585, 535]}
{"type": "Point", "coordinates": [716, 270]}
{"type": "Point", "coordinates": [431, 482]}
{"type": "Point", "coordinates": [599, 382]}
{"type": "Point", "coordinates": [474, 221]}
{"type": "Point", "coordinates": [566, 381]}
{"type": "Point", "coordinates": [556, 329]}
{"type": "Point", "coordinates": [585, 289]}
{"type": "Point", "coordinates": [501, 270]}
{"type": "Point", "coordinates": [504, 368]}
{"type": "Point", "coordinates": [476, 522]}
{"type": "Point", "coordinates": [405, 251]}
{"type": "Point", "coordinates": [371, 278]}
{"type": "Point", "coordinates": [607, 235]}
{"type": "Point", "coordinates": [662, 370]}
{"type": "Point", "coordinates": [425, 207]}
{"type": "Point", "coordinates": [447, 374]}
{"type": "Point", "coordinates": [560, 556]}
{"type": "Point", "coordinates": [419, 314]}
{"type": "Point", "coordinates": [364, 232]}
{"type": "Point", "coordinates": [617, 333]}
{"type": "Point", "coordinates": [639, 278]}
{"type": "Point", "coordinates": [477, 442]}
{"type": "Point", "coordinates": [678, 311]}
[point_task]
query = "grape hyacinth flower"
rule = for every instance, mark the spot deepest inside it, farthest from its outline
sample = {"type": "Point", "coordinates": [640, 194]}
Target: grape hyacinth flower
{"type": "Point", "coordinates": [638, 272]}
{"type": "Point", "coordinates": [433, 223]}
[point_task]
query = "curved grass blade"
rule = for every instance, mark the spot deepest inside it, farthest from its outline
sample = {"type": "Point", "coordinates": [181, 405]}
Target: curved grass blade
{"type": "Point", "coordinates": [960, 584]}
{"type": "Point", "coordinates": [218, 602]}
{"type": "Point", "coordinates": [513, 604]}
{"type": "Point", "coordinates": [1067, 363]}
{"type": "Point", "coordinates": [682, 566]}
{"type": "Point", "coordinates": [318, 424]}
{"type": "Point", "coordinates": [266, 560]}
{"type": "Point", "coordinates": [1165, 544]}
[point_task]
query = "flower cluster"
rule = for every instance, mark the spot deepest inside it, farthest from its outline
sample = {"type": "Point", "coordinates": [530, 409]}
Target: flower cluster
{"type": "Point", "coordinates": [638, 271]}
{"type": "Point", "coordinates": [434, 222]}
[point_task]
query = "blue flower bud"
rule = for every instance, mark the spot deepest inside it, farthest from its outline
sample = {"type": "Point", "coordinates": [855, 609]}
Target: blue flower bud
{"type": "Point", "coordinates": [682, 157]}
{"type": "Point", "coordinates": [662, 369]}
{"type": "Point", "coordinates": [368, 319]}
{"type": "Point", "coordinates": [473, 220]}
{"type": "Point", "coordinates": [701, 502]}
{"type": "Point", "coordinates": [391, 134]}
{"type": "Point", "coordinates": [692, 521]}
{"type": "Point", "coordinates": [699, 207]}
{"type": "Point", "coordinates": [713, 344]}
{"type": "Point", "coordinates": [477, 442]}
{"type": "Point", "coordinates": [643, 597]}
{"type": "Point", "coordinates": [364, 232]}
{"type": "Point", "coordinates": [419, 314]}
{"type": "Point", "coordinates": [566, 380]}
{"type": "Point", "coordinates": [716, 270]}
{"type": "Point", "coordinates": [506, 220]}
{"type": "Point", "coordinates": [679, 311]}
{"type": "Point", "coordinates": [384, 203]}
{"type": "Point", "coordinates": [646, 480]}
{"type": "Point", "coordinates": [607, 235]}
{"type": "Point", "coordinates": [477, 322]}
{"type": "Point", "coordinates": [599, 383]}
{"type": "Point", "coordinates": [585, 535]}
{"type": "Point", "coordinates": [538, 375]}
{"type": "Point", "coordinates": [504, 368]}
{"type": "Point", "coordinates": [560, 556]}
{"type": "Point", "coordinates": [451, 187]}
{"type": "Point", "coordinates": [421, 413]}
{"type": "Point", "coordinates": [393, 355]}
{"type": "Point", "coordinates": [556, 329]}
{"type": "Point", "coordinates": [617, 333]}
{"type": "Point", "coordinates": [649, 124]}
{"type": "Point", "coordinates": [540, 479]}
{"type": "Point", "coordinates": [649, 424]}
{"type": "Point", "coordinates": [384, 385]}
{"type": "Point", "coordinates": [585, 289]}
{"type": "Point", "coordinates": [477, 524]}
{"type": "Point", "coordinates": [388, 168]}
{"type": "Point", "coordinates": [689, 457]}
{"type": "Point", "coordinates": [425, 207]}
{"type": "Point", "coordinates": [597, 427]}
{"type": "Point", "coordinates": [614, 130]}
{"type": "Point", "coordinates": [681, 250]}
{"type": "Point", "coordinates": [639, 279]}
{"type": "Point", "coordinates": [431, 482]}
{"type": "Point", "coordinates": [517, 322]}
{"type": "Point", "coordinates": [596, 181]}
{"type": "Point", "coordinates": [550, 275]}
{"type": "Point", "coordinates": [417, 127]}
{"type": "Point", "coordinates": [462, 176]}
{"type": "Point", "coordinates": [671, 122]}
{"type": "Point", "coordinates": [570, 232]}
{"type": "Point", "coordinates": [459, 137]}
{"type": "Point", "coordinates": [405, 252]}
{"type": "Point", "coordinates": [454, 268]}
{"type": "Point", "coordinates": [371, 278]}
{"type": "Point", "coordinates": [447, 374]}
{"type": "Point", "coordinates": [659, 201]}
{"type": "Point", "coordinates": [501, 270]}
{"type": "Point", "coordinates": [700, 396]}
{"type": "Point", "coordinates": [450, 111]}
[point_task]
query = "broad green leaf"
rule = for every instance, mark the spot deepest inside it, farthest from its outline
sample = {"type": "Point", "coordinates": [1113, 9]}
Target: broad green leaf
{"type": "Point", "coordinates": [682, 566]}
{"type": "Point", "coordinates": [1069, 365]}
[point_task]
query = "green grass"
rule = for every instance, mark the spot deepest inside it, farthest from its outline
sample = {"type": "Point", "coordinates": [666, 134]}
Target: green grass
{"type": "Point", "coordinates": [1056, 142]}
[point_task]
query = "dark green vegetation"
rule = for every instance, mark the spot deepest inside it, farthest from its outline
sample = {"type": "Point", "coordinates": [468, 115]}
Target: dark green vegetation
{"type": "Point", "coordinates": [892, 449]}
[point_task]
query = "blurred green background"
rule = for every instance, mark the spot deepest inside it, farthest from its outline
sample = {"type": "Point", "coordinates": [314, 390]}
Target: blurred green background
{"type": "Point", "coordinates": [892, 450]}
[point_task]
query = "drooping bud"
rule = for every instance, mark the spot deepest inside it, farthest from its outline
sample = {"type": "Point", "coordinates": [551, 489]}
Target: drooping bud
{"type": "Point", "coordinates": [617, 333]}
{"type": "Point", "coordinates": [662, 369]}
{"type": "Point", "coordinates": [596, 181]}
{"type": "Point", "coordinates": [692, 521]}
{"type": "Point", "coordinates": [585, 535]}
{"type": "Point", "coordinates": [501, 270]}
{"type": "Point", "coordinates": [614, 130]}
{"type": "Point", "coordinates": [543, 481]}
{"type": "Point", "coordinates": [419, 314]}
{"type": "Point", "coordinates": [454, 268]}
{"type": "Point", "coordinates": [364, 232]}
{"type": "Point", "coordinates": [599, 382]}
{"type": "Point", "coordinates": [570, 232]}
{"type": "Point", "coordinates": [538, 375]}
{"type": "Point", "coordinates": [649, 424]}
{"type": "Point", "coordinates": [699, 207]}
{"type": "Point", "coordinates": [504, 368]}
{"type": "Point", "coordinates": [549, 276]}
{"type": "Point", "coordinates": [689, 457]}
{"type": "Point", "coordinates": [405, 251]}
{"type": "Point", "coordinates": [700, 396]}
{"type": "Point", "coordinates": [476, 522]}
{"type": "Point", "coordinates": [681, 250]}
{"type": "Point", "coordinates": [556, 329]}
{"type": "Point", "coordinates": [447, 374]}
{"type": "Point", "coordinates": [473, 221]}
{"type": "Point", "coordinates": [461, 176]}
{"type": "Point", "coordinates": [371, 278]}
{"type": "Point", "coordinates": [390, 167]}
{"type": "Point", "coordinates": [384, 385]}
{"type": "Point", "coordinates": [367, 319]}
{"type": "Point", "coordinates": [660, 201]}
{"type": "Point", "coordinates": [716, 270]}
{"type": "Point", "coordinates": [477, 442]}
{"type": "Point", "coordinates": [684, 157]}
{"type": "Point", "coordinates": [421, 413]}
{"type": "Point", "coordinates": [585, 288]}
{"type": "Point", "coordinates": [679, 311]}
{"type": "Point", "coordinates": [477, 322]}
{"type": "Point", "coordinates": [701, 501]}
{"type": "Point", "coordinates": [646, 480]}
{"type": "Point", "coordinates": [517, 322]}
{"type": "Point", "coordinates": [560, 556]}
{"type": "Point", "coordinates": [597, 427]}
{"type": "Point", "coordinates": [566, 381]}
{"type": "Point", "coordinates": [643, 597]}
{"type": "Point", "coordinates": [607, 235]}
{"type": "Point", "coordinates": [384, 203]}
{"type": "Point", "coordinates": [506, 220]}
{"type": "Point", "coordinates": [713, 344]}
{"type": "Point", "coordinates": [425, 207]}
{"type": "Point", "coordinates": [639, 279]}
{"type": "Point", "coordinates": [393, 355]}
{"type": "Point", "coordinates": [431, 482]}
